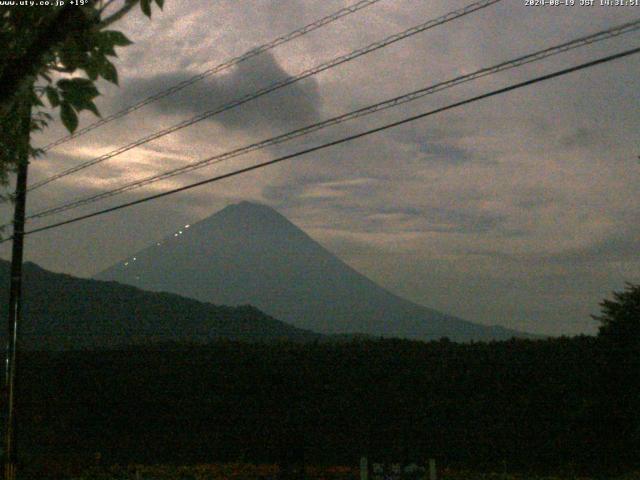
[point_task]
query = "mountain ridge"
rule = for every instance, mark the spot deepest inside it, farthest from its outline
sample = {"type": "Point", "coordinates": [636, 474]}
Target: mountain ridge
{"type": "Point", "coordinates": [65, 312]}
{"type": "Point", "coordinates": [249, 253]}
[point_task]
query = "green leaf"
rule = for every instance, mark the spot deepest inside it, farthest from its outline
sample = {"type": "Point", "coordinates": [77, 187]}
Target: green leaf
{"type": "Point", "coordinates": [52, 96]}
{"type": "Point", "coordinates": [36, 152]}
{"type": "Point", "coordinates": [108, 50]}
{"type": "Point", "coordinates": [145, 5]}
{"type": "Point", "coordinates": [77, 91]}
{"type": "Point", "coordinates": [108, 72]}
{"type": "Point", "coordinates": [92, 108]}
{"type": "Point", "coordinates": [71, 55]}
{"type": "Point", "coordinates": [35, 100]}
{"type": "Point", "coordinates": [84, 83]}
{"type": "Point", "coordinates": [115, 38]}
{"type": "Point", "coordinates": [91, 69]}
{"type": "Point", "coordinates": [160, 3]}
{"type": "Point", "coordinates": [78, 83]}
{"type": "Point", "coordinates": [92, 65]}
{"type": "Point", "coordinates": [104, 44]}
{"type": "Point", "coordinates": [81, 99]}
{"type": "Point", "coordinates": [68, 117]}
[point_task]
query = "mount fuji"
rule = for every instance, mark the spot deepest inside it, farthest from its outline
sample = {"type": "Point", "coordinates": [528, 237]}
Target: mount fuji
{"type": "Point", "coordinates": [249, 253]}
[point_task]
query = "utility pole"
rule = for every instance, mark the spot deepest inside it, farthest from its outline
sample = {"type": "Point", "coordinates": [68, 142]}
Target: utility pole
{"type": "Point", "coordinates": [15, 289]}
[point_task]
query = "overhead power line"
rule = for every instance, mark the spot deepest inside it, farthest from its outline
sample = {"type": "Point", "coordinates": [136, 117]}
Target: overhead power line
{"type": "Point", "coordinates": [343, 12]}
{"type": "Point", "coordinates": [393, 102]}
{"type": "Point", "coordinates": [275, 86]}
{"type": "Point", "coordinates": [349, 138]}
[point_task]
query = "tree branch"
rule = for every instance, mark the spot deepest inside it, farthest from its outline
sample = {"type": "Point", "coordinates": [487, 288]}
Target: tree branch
{"type": "Point", "coordinates": [55, 30]}
{"type": "Point", "coordinates": [105, 6]}
{"type": "Point", "coordinates": [19, 69]}
{"type": "Point", "coordinates": [129, 4]}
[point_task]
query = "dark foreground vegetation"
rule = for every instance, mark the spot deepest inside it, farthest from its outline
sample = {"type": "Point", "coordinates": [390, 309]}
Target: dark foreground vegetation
{"type": "Point", "coordinates": [560, 405]}
{"type": "Point", "coordinates": [64, 312]}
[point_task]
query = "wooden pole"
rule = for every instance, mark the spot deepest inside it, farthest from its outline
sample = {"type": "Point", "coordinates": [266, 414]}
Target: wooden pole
{"type": "Point", "coordinates": [15, 290]}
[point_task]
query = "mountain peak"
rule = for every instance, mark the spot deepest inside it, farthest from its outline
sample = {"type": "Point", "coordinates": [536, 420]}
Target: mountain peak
{"type": "Point", "coordinates": [246, 208]}
{"type": "Point", "coordinates": [249, 218]}
{"type": "Point", "coordinates": [248, 253]}
{"type": "Point", "coordinates": [247, 205]}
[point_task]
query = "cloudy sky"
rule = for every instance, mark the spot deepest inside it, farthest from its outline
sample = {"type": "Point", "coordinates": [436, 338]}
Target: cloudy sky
{"type": "Point", "coordinates": [521, 210]}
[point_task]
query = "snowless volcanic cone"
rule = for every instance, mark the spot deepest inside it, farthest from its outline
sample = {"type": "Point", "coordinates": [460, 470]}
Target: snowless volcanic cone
{"type": "Point", "coordinates": [250, 254]}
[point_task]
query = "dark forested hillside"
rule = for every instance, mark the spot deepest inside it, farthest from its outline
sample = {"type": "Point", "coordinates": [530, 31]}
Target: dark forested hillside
{"type": "Point", "coordinates": [520, 405]}
{"type": "Point", "coordinates": [62, 311]}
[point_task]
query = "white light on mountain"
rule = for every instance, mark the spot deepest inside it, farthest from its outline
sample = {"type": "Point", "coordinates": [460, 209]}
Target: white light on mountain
{"type": "Point", "coordinates": [134, 259]}
{"type": "Point", "coordinates": [126, 263]}
{"type": "Point", "coordinates": [180, 232]}
{"type": "Point", "coordinates": [260, 249]}
{"type": "Point", "coordinates": [187, 226]}
{"type": "Point", "coordinates": [175, 234]}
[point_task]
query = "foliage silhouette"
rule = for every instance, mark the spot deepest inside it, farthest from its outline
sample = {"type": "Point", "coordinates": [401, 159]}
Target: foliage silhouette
{"type": "Point", "coordinates": [42, 48]}
{"type": "Point", "coordinates": [618, 399]}
{"type": "Point", "coordinates": [620, 317]}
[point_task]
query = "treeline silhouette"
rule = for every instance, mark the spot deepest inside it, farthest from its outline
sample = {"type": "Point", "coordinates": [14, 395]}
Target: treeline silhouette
{"type": "Point", "coordinates": [66, 312]}
{"type": "Point", "coordinates": [556, 405]}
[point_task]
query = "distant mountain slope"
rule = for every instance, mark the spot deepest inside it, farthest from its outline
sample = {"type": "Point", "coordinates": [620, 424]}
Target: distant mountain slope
{"type": "Point", "coordinates": [62, 311]}
{"type": "Point", "coordinates": [250, 254]}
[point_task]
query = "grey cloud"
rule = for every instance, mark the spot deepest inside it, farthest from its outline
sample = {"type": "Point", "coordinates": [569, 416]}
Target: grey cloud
{"type": "Point", "coordinates": [446, 153]}
{"type": "Point", "coordinates": [439, 144]}
{"type": "Point", "coordinates": [289, 193]}
{"type": "Point", "coordinates": [293, 105]}
{"type": "Point", "coordinates": [357, 213]}
{"type": "Point", "coordinates": [622, 246]}
{"type": "Point", "coordinates": [581, 137]}
{"type": "Point", "coordinates": [460, 221]}
{"type": "Point", "coordinates": [442, 220]}
{"type": "Point", "coordinates": [538, 197]}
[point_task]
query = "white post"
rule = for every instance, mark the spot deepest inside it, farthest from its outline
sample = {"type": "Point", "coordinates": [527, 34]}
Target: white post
{"type": "Point", "coordinates": [364, 469]}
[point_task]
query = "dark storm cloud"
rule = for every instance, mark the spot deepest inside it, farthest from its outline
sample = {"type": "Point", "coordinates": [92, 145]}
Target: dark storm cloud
{"type": "Point", "coordinates": [296, 104]}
